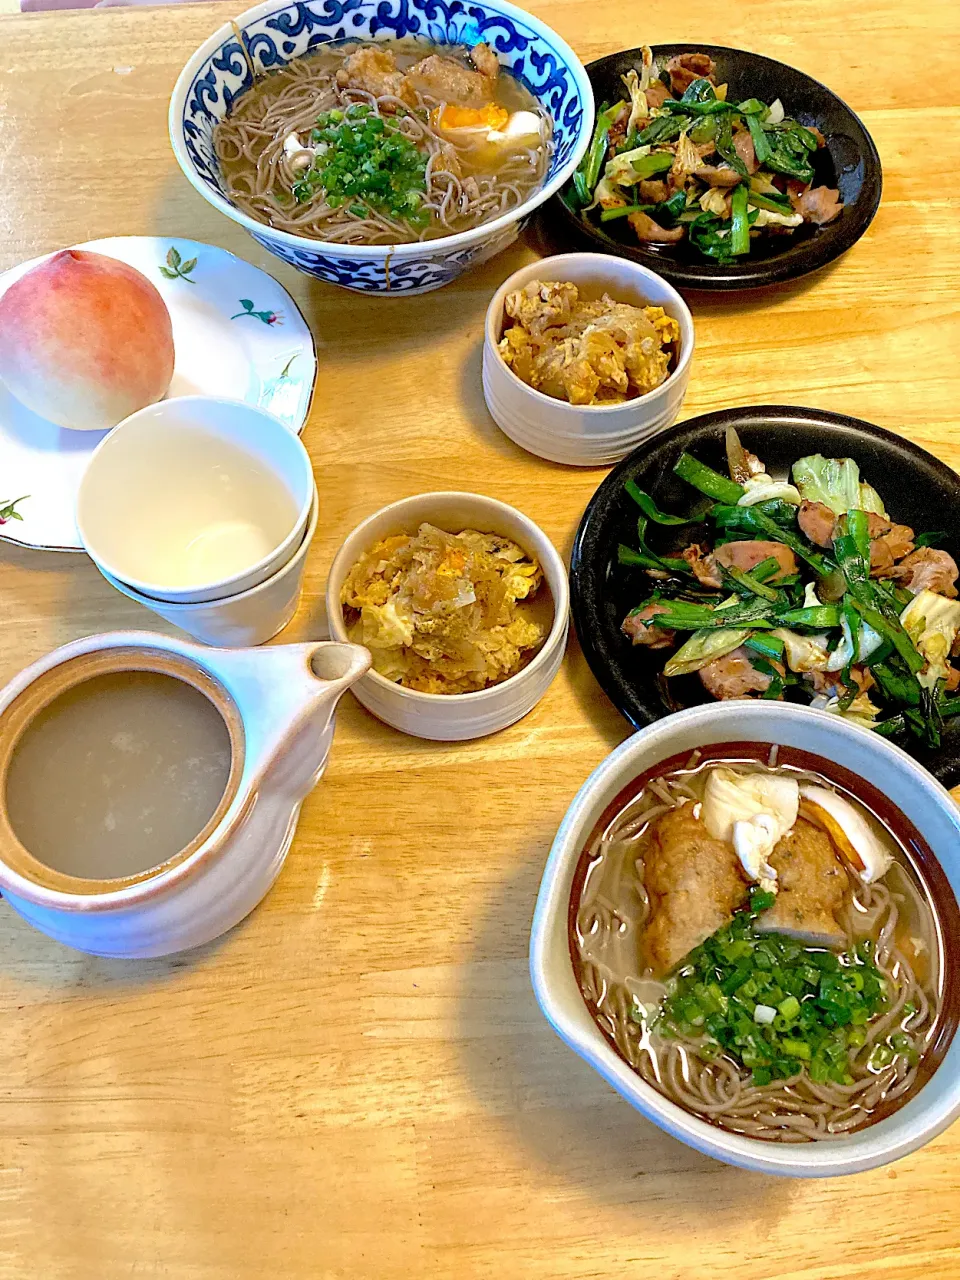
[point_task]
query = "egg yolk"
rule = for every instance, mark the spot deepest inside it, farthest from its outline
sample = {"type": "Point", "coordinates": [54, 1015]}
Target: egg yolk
{"type": "Point", "coordinates": [491, 116]}
{"type": "Point", "coordinates": [834, 830]}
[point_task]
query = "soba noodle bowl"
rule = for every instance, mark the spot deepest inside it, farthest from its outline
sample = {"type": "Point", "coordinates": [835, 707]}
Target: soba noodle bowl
{"type": "Point", "coordinates": [472, 170]}
{"type": "Point", "coordinates": [890, 921]}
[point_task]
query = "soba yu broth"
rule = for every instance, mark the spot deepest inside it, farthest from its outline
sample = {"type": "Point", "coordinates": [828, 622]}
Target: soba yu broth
{"type": "Point", "coordinates": [760, 946]}
{"type": "Point", "coordinates": [384, 144]}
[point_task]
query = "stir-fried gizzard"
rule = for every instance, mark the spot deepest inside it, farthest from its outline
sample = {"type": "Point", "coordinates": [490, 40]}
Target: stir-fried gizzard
{"type": "Point", "coordinates": [805, 589]}
{"type": "Point", "coordinates": [678, 160]}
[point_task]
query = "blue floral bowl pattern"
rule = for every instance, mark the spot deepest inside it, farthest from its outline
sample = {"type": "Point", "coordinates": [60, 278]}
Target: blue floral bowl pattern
{"type": "Point", "coordinates": [274, 34]}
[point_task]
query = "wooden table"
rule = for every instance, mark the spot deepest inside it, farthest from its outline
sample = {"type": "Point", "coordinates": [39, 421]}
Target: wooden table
{"type": "Point", "coordinates": [357, 1082]}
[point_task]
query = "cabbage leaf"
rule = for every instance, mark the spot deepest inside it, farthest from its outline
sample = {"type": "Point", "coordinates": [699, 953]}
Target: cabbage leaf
{"type": "Point", "coordinates": [843, 655]}
{"type": "Point", "coordinates": [932, 623]}
{"type": "Point", "coordinates": [803, 653]}
{"type": "Point", "coordinates": [639, 111]}
{"type": "Point", "coordinates": [836, 483]}
{"type": "Point", "coordinates": [702, 647]}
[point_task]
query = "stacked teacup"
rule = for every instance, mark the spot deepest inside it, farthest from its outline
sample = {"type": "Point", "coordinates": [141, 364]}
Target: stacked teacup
{"type": "Point", "coordinates": [203, 511]}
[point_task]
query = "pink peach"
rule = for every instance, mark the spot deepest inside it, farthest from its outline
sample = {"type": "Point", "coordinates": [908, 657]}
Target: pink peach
{"type": "Point", "coordinates": [85, 340]}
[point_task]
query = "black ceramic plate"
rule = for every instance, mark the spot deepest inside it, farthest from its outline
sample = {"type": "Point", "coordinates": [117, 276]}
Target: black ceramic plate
{"type": "Point", "coordinates": [849, 161]}
{"type": "Point", "coordinates": [918, 490]}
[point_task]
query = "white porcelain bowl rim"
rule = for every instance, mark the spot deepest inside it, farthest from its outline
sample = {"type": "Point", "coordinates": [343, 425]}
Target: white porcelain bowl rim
{"type": "Point", "coordinates": [547, 551]}
{"type": "Point", "coordinates": [595, 410]}
{"type": "Point", "coordinates": [408, 248]}
{"type": "Point", "coordinates": [887, 1140]}
{"type": "Point", "coordinates": [289, 542]}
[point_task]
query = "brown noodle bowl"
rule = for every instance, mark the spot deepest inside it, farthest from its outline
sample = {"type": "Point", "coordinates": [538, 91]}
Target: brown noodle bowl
{"type": "Point", "coordinates": [252, 136]}
{"type": "Point", "coordinates": [794, 1110]}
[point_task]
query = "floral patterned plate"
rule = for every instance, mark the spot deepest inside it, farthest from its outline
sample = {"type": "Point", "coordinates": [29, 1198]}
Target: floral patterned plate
{"type": "Point", "coordinates": [237, 333]}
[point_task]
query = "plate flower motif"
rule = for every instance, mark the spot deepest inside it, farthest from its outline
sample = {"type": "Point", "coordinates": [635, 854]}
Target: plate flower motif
{"type": "Point", "coordinates": [268, 317]}
{"type": "Point", "coordinates": [8, 510]}
{"type": "Point", "coordinates": [176, 268]}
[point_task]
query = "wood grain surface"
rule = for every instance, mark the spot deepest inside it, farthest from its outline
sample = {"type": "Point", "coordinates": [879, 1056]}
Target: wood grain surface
{"type": "Point", "coordinates": [356, 1082]}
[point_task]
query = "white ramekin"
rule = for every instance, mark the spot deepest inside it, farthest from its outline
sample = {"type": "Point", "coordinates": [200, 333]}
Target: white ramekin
{"type": "Point", "coordinates": [892, 772]}
{"type": "Point", "coordinates": [455, 717]}
{"type": "Point", "coordinates": [584, 435]}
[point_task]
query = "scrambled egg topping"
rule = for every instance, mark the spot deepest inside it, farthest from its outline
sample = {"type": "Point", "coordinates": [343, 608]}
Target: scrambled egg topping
{"type": "Point", "coordinates": [441, 612]}
{"type": "Point", "coordinates": [601, 352]}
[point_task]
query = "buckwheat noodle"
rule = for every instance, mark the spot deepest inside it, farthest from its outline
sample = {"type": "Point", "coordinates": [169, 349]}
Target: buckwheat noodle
{"type": "Point", "coordinates": [249, 144]}
{"type": "Point", "coordinates": [794, 1110]}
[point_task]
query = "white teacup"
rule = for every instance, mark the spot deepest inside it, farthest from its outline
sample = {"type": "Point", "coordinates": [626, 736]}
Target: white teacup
{"type": "Point", "coordinates": [195, 499]}
{"type": "Point", "coordinates": [248, 618]}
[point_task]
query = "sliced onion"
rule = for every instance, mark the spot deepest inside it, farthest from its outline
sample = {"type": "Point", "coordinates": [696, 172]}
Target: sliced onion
{"type": "Point", "coordinates": [736, 457]}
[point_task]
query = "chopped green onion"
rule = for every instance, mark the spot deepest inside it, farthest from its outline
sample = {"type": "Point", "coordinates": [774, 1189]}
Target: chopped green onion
{"type": "Point", "coordinates": [820, 617]}
{"type": "Point", "coordinates": [624, 211]}
{"type": "Point", "coordinates": [766, 569]}
{"type": "Point", "coordinates": [752, 520]}
{"type": "Point", "coordinates": [663, 129]}
{"type": "Point", "coordinates": [683, 616]}
{"type": "Point", "coordinates": [641, 560]}
{"type": "Point", "coordinates": [708, 481]}
{"type": "Point", "coordinates": [739, 226]}
{"type": "Point", "coordinates": [930, 539]}
{"type": "Point", "coordinates": [367, 164]}
{"type": "Point", "coordinates": [761, 147]}
{"type": "Point", "coordinates": [655, 162]}
{"type": "Point", "coordinates": [699, 90]}
{"type": "Point", "coordinates": [776, 1006]}
{"type": "Point", "coordinates": [650, 508]}
{"type": "Point", "coordinates": [772, 206]}
{"type": "Point", "coordinates": [749, 583]}
{"type": "Point", "coordinates": [767, 646]}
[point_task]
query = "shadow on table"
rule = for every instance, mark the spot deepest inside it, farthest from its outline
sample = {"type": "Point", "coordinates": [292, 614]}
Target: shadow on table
{"type": "Point", "coordinates": [67, 599]}
{"type": "Point", "coordinates": [31, 959]}
{"type": "Point", "coordinates": [573, 1130]}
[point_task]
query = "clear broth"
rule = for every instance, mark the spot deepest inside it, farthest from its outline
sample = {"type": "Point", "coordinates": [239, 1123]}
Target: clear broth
{"type": "Point", "coordinates": [117, 775]}
{"type": "Point", "coordinates": [477, 162]}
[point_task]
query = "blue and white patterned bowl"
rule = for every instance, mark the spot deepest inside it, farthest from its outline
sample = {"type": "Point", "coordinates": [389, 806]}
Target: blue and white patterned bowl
{"type": "Point", "coordinates": [276, 33]}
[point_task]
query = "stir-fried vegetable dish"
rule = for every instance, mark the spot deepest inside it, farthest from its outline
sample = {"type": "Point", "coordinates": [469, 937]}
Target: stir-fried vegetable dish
{"type": "Point", "coordinates": [803, 589]}
{"type": "Point", "coordinates": [677, 160]}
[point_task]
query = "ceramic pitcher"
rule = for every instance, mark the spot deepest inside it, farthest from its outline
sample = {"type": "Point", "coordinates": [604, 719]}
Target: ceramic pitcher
{"type": "Point", "coordinates": [278, 706]}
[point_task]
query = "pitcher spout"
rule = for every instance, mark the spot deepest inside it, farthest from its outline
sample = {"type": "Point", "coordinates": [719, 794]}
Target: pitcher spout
{"type": "Point", "coordinates": [287, 696]}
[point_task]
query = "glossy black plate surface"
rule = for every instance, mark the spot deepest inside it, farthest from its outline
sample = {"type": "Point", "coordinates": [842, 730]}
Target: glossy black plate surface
{"type": "Point", "coordinates": [918, 490]}
{"type": "Point", "coordinates": [849, 161]}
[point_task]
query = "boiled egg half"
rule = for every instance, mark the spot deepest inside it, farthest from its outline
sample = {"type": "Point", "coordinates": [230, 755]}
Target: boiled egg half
{"type": "Point", "coordinates": [848, 830]}
{"type": "Point", "coordinates": [752, 811]}
{"type": "Point", "coordinates": [490, 126]}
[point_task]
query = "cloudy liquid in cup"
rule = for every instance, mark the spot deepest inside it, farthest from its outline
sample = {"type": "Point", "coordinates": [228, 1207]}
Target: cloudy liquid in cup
{"type": "Point", "coordinates": [224, 514]}
{"type": "Point", "coordinates": [117, 774]}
